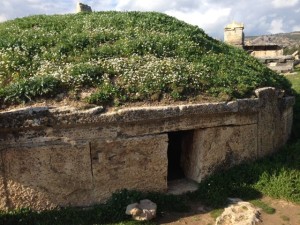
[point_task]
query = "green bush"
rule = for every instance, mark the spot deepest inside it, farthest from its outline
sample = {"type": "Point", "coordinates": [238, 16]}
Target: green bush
{"type": "Point", "coordinates": [295, 80]}
{"type": "Point", "coordinates": [29, 89]}
{"type": "Point", "coordinates": [145, 56]}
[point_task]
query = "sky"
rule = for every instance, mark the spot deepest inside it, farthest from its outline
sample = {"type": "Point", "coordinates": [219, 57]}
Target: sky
{"type": "Point", "coordinates": [259, 16]}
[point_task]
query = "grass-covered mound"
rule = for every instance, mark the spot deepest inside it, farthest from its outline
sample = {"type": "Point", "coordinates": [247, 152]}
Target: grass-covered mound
{"type": "Point", "coordinates": [122, 57]}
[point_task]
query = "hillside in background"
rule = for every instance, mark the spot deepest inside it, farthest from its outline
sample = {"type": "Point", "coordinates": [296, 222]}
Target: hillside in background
{"type": "Point", "coordinates": [120, 57]}
{"type": "Point", "coordinates": [291, 41]}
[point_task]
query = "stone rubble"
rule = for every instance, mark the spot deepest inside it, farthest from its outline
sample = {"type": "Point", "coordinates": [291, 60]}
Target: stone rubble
{"type": "Point", "coordinates": [239, 213]}
{"type": "Point", "coordinates": [83, 8]}
{"type": "Point", "coordinates": [144, 211]}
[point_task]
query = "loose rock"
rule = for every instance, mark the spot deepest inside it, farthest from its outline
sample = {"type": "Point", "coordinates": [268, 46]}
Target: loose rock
{"type": "Point", "coordinates": [146, 210]}
{"type": "Point", "coordinates": [239, 213]}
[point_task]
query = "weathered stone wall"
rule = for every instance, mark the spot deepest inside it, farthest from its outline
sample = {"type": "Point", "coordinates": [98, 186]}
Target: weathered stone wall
{"type": "Point", "coordinates": [234, 34]}
{"type": "Point", "coordinates": [267, 53]}
{"type": "Point", "coordinates": [281, 66]}
{"type": "Point", "coordinates": [83, 8]}
{"type": "Point", "coordinates": [64, 156]}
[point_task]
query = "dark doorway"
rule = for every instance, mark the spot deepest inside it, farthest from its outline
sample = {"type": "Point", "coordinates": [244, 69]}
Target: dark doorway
{"type": "Point", "coordinates": [177, 142]}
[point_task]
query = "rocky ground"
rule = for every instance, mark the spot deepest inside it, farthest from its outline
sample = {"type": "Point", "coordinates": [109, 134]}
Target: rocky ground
{"type": "Point", "coordinates": [285, 39]}
{"type": "Point", "coordinates": [286, 213]}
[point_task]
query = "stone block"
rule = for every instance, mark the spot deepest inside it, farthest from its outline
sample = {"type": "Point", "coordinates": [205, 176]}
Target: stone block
{"type": "Point", "coordinates": [133, 163]}
{"type": "Point", "coordinates": [274, 121]}
{"type": "Point", "coordinates": [217, 148]}
{"type": "Point", "coordinates": [47, 176]}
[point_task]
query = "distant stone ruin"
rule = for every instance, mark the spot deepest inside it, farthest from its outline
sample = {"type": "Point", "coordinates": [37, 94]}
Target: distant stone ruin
{"type": "Point", "coordinates": [296, 55]}
{"type": "Point", "coordinates": [270, 54]}
{"type": "Point", "coordinates": [83, 8]}
{"type": "Point", "coordinates": [234, 34]}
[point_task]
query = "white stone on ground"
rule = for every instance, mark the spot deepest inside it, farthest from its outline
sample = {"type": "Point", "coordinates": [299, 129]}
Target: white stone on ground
{"type": "Point", "coordinates": [146, 210]}
{"type": "Point", "coordinates": [239, 213]}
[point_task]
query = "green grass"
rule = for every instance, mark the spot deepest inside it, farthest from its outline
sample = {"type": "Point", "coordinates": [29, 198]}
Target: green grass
{"type": "Point", "coordinates": [216, 213]}
{"type": "Point", "coordinates": [124, 57]}
{"type": "Point", "coordinates": [264, 206]}
{"type": "Point", "coordinates": [277, 176]}
{"type": "Point", "coordinates": [295, 80]}
{"type": "Point", "coordinates": [113, 212]}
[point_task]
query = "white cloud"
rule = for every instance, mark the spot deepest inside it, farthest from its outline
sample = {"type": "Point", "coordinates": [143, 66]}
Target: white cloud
{"type": "Point", "coordinates": [211, 15]}
{"type": "Point", "coordinates": [276, 26]}
{"type": "Point", "coordinates": [34, 1]}
{"type": "Point", "coordinates": [284, 3]}
{"type": "Point", "coordinates": [206, 20]}
{"type": "Point", "coordinates": [296, 28]}
{"type": "Point", "coordinates": [2, 18]}
{"type": "Point", "coordinates": [144, 5]}
{"type": "Point", "coordinates": [19, 8]}
{"type": "Point", "coordinates": [101, 5]}
{"type": "Point", "coordinates": [157, 5]}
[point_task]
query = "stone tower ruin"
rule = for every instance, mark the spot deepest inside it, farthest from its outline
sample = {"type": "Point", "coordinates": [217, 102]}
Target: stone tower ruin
{"type": "Point", "coordinates": [83, 8]}
{"type": "Point", "coordinates": [234, 34]}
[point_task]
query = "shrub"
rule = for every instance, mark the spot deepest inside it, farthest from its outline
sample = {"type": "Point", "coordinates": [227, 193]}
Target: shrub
{"type": "Point", "coordinates": [29, 89]}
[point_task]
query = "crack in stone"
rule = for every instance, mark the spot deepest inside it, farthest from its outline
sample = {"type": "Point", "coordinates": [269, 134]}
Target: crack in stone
{"type": "Point", "coordinates": [91, 162]}
{"type": "Point", "coordinates": [5, 185]}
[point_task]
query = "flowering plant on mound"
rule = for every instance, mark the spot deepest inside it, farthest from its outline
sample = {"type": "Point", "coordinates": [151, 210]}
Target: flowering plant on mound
{"type": "Point", "coordinates": [123, 57]}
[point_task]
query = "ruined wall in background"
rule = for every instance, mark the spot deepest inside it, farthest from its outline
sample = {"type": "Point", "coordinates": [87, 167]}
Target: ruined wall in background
{"type": "Point", "coordinates": [83, 8]}
{"type": "Point", "coordinates": [234, 34]}
{"type": "Point", "coordinates": [68, 157]}
{"type": "Point", "coordinates": [267, 53]}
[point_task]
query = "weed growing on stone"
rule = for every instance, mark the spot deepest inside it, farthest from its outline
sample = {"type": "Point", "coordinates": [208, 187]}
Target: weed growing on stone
{"type": "Point", "coordinates": [216, 213]}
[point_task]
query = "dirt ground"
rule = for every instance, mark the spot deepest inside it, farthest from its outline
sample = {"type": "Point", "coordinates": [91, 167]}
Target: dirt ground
{"type": "Point", "coordinates": [286, 214]}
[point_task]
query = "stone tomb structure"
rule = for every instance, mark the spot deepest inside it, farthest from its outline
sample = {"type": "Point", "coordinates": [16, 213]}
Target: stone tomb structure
{"type": "Point", "coordinates": [53, 157]}
{"type": "Point", "coordinates": [80, 7]}
{"type": "Point", "coordinates": [234, 34]}
{"type": "Point", "coordinates": [269, 54]}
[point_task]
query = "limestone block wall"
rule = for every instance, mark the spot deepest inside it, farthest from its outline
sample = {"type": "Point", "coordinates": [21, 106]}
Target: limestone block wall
{"type": "Point", "coordinates": [53, 157]}
{"type": "Point", "coordinates": [219, 147]}
{"type": "Point", "coordinates": [285, 66]}
{"type": "Point", "coordinates": [234, 34]}
{"type": "Point", "coordinates": [267, 53]}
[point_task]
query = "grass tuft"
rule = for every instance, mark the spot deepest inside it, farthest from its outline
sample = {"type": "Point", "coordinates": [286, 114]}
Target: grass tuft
{"type": "Point", "coordinates": [216, 213]}
{"type": "Point", "coordinates": [264, 206]}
